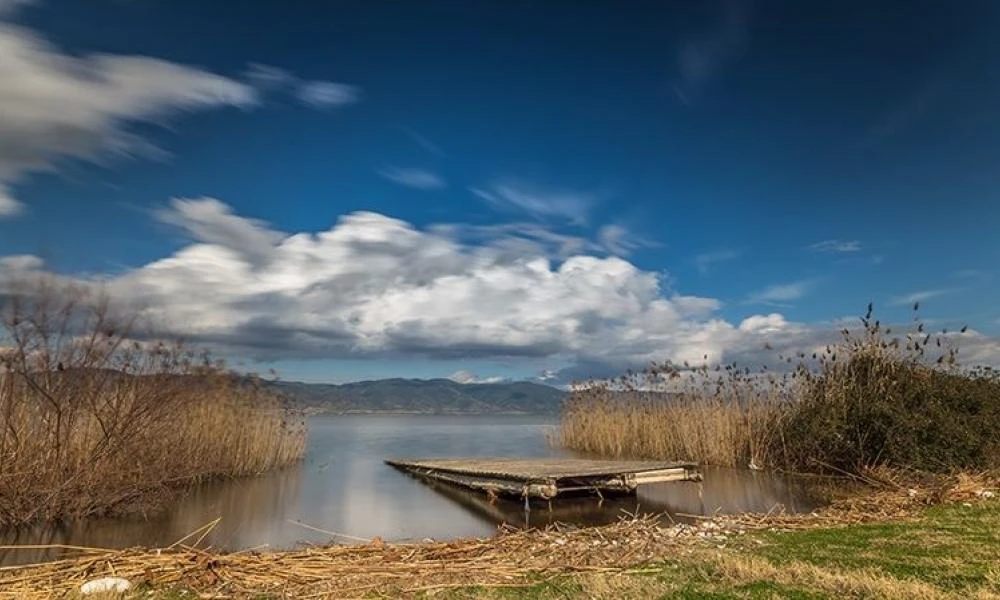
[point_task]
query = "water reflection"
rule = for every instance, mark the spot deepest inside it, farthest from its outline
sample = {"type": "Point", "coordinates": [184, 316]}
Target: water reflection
{"type": "Point", "coordinates": [342, 492]}
{"type": "Point", "coordinates": [723, 491]}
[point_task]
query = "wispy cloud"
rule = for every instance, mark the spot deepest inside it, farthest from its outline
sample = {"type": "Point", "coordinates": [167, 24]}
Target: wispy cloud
{"type": "Point", "coordinates": [327, 94]}
{"type": "Point", "coordinates": [9, 207]}
{"type": "Point", "coordinates": [314, 93]}
{"type": "Point", "coordinates": [539, 203]}
{"type": "Point", "coordinates": [416, 178]}
{"type": "Point", "coordinates": [700, 60]}
{"type": "Point", "coordinates": [707, 260]}
{"type": "Point", "coordinates": [782, 292]}
{"type": "Point", "coordinates": [836, 246]}
{"type": "Point", "coordinates": [976, 275]}
{"type": "Point", "coordinates": [620, 241]}
{"type": "Point", "coordinates": [903, 114]}
{"type": "Point", "coordinates": [919, 296]}
{"type": "Point", "coordinates": [423, 142]}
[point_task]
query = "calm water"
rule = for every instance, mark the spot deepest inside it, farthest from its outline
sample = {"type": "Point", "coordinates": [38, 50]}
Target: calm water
{"type": "Point", "coordinates": [343, 492]}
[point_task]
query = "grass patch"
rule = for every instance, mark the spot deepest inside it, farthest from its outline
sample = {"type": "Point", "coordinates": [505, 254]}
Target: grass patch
{"type": "Point", "coordinates": [952, 547]}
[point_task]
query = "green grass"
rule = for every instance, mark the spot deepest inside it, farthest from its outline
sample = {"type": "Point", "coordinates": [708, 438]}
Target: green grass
{"type": "Point", "coordinates": [951, 551]}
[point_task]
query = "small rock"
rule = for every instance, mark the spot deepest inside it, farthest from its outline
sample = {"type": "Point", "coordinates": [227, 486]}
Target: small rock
{"type": "Point", "coordinates": [105, 585]}
{"type": "Point", "coordinates": [912, 493]}
{"type": "Point", "coordinates": [967, 504]}
{"type": "Point", "coordinates": [985, 494]}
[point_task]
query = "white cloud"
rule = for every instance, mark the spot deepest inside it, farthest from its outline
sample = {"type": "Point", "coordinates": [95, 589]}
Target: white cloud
{"type": "Point", "coordinates": [539, 203]}
{"type": "Point", "coordinates": [784, 292]}
{"type": "Point", "coordinates": [619, 241]}
{"type": "Point", "coordinates": [707, 260]}
{"type": "Point", "coordinates": [20, 264]}
{"type": "Point", "coordinates": [57, 106]}
{"type": "Point", "coordinates": [836, 246]}
{"type": "Point", "coordinates": [420, 179]}
{"type": "Point", "coordinates": [919, 296]}
{"type": "Point", "coordinates": [210, 221]}
{"type": "Point", "coordinates": [512, 240]}
{"type": "Point", "coordinates": [9, 206]}
{"type": "Point", "coordinates": [373, 286]}
{"type": "Point", "coordinates": [464, 376]}
{"type": "Point", "coordinates": [327, 94]}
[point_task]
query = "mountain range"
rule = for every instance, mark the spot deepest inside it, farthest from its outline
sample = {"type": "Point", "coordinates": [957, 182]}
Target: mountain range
{"type": "Point", "coordinates": [430, 396]}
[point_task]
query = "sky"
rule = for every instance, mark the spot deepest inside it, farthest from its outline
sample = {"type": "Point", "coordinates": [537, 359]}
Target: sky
{"type": "Point", "coordinates": [515, 189]}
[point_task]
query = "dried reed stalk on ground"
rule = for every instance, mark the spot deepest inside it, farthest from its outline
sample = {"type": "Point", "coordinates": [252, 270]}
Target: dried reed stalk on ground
{"type": "Point", "coordinates": [512, 558]}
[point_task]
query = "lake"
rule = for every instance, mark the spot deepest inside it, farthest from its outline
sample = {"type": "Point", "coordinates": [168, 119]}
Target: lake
{"type": "Point", "coordinates": [342, 492]}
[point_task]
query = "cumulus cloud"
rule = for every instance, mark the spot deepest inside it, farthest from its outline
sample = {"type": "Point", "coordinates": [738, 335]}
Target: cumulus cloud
{"type": "Point", "coordinates": [374, 286]}
{"type": "Point", "coordinates": [836, 246]}
{"type": "Point", "coordinates": [539, 203]}
{"type": "Point", "coordinates": [420, 179]}
{"type": "Point", "coordinates": [20, 264]}
{"type": "Point", "coordinates": [464, 376]}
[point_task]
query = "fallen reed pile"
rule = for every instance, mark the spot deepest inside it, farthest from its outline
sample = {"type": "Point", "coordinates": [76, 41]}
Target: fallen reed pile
{"type": "Point", "coordinates": [354, 571]}
{"type": "Point", "coordinates": [513, 558]}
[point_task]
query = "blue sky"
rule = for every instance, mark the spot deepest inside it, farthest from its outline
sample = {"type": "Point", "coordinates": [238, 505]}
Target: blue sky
{"type": "Point", "coordinates": [348, 190]}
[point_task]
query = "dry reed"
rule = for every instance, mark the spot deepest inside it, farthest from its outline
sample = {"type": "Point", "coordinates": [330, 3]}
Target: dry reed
{"type": "Point", "coordinates": [872, 399]}
{"type": "Point", "coordinates": [94, 421]}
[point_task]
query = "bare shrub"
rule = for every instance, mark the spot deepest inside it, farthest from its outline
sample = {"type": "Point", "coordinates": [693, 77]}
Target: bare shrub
{"type": "Point", "coordinates": [95, 421]}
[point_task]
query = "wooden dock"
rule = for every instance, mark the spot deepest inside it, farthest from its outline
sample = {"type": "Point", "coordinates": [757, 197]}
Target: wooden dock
{"type": "Point", "coordinates": [547, 478]}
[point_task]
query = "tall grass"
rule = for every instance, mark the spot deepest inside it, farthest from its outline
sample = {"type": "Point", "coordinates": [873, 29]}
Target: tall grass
{"type": "Point", "coordinates": [94, 421]}
{"type": "Point", "coordinates": [870, 400]}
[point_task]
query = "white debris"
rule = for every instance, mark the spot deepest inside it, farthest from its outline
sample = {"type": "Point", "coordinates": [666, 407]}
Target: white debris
{"type": "Point", "coordinates": [967, 504]}
{"type": "Point", "coordinates": [105, 585]}
{"type": "Point", "coordinates": [985, 494]}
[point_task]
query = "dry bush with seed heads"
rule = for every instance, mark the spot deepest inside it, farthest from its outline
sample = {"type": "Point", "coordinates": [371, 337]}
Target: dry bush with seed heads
{"type": "Point", "coordinates": [871, 400]}
{"type": "Point", "coordinates": [98, 419]}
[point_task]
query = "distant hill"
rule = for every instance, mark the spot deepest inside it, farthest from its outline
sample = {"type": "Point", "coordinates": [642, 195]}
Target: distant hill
{"type": "Point", "coordinates": [431, 396]}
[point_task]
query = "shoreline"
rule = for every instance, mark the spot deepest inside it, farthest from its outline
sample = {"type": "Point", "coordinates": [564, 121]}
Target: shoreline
{"type": "Point", "coordinates": [540, 562]}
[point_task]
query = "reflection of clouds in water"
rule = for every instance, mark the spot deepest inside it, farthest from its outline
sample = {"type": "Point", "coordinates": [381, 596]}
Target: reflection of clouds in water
{"type": "Point", "coordinates": [251, 512]}
{"type": "Point", "coordinates": [729, 491]}
{"type": "Point", "coordinates": [344, 487]}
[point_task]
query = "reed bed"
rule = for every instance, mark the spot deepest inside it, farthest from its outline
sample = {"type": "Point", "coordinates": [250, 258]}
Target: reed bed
{"type": "Point", "coordinates": [873, 399]}
{"type": "Point", "coordinates": [98, 417]}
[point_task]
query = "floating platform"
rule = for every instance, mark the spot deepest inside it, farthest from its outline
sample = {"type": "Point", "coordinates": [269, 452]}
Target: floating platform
{"type": "Point", "coordinates": [547, 478]}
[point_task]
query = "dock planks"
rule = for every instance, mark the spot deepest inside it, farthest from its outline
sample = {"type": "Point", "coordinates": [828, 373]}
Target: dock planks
{"type": "Point", "coordinates": [547, 478]}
